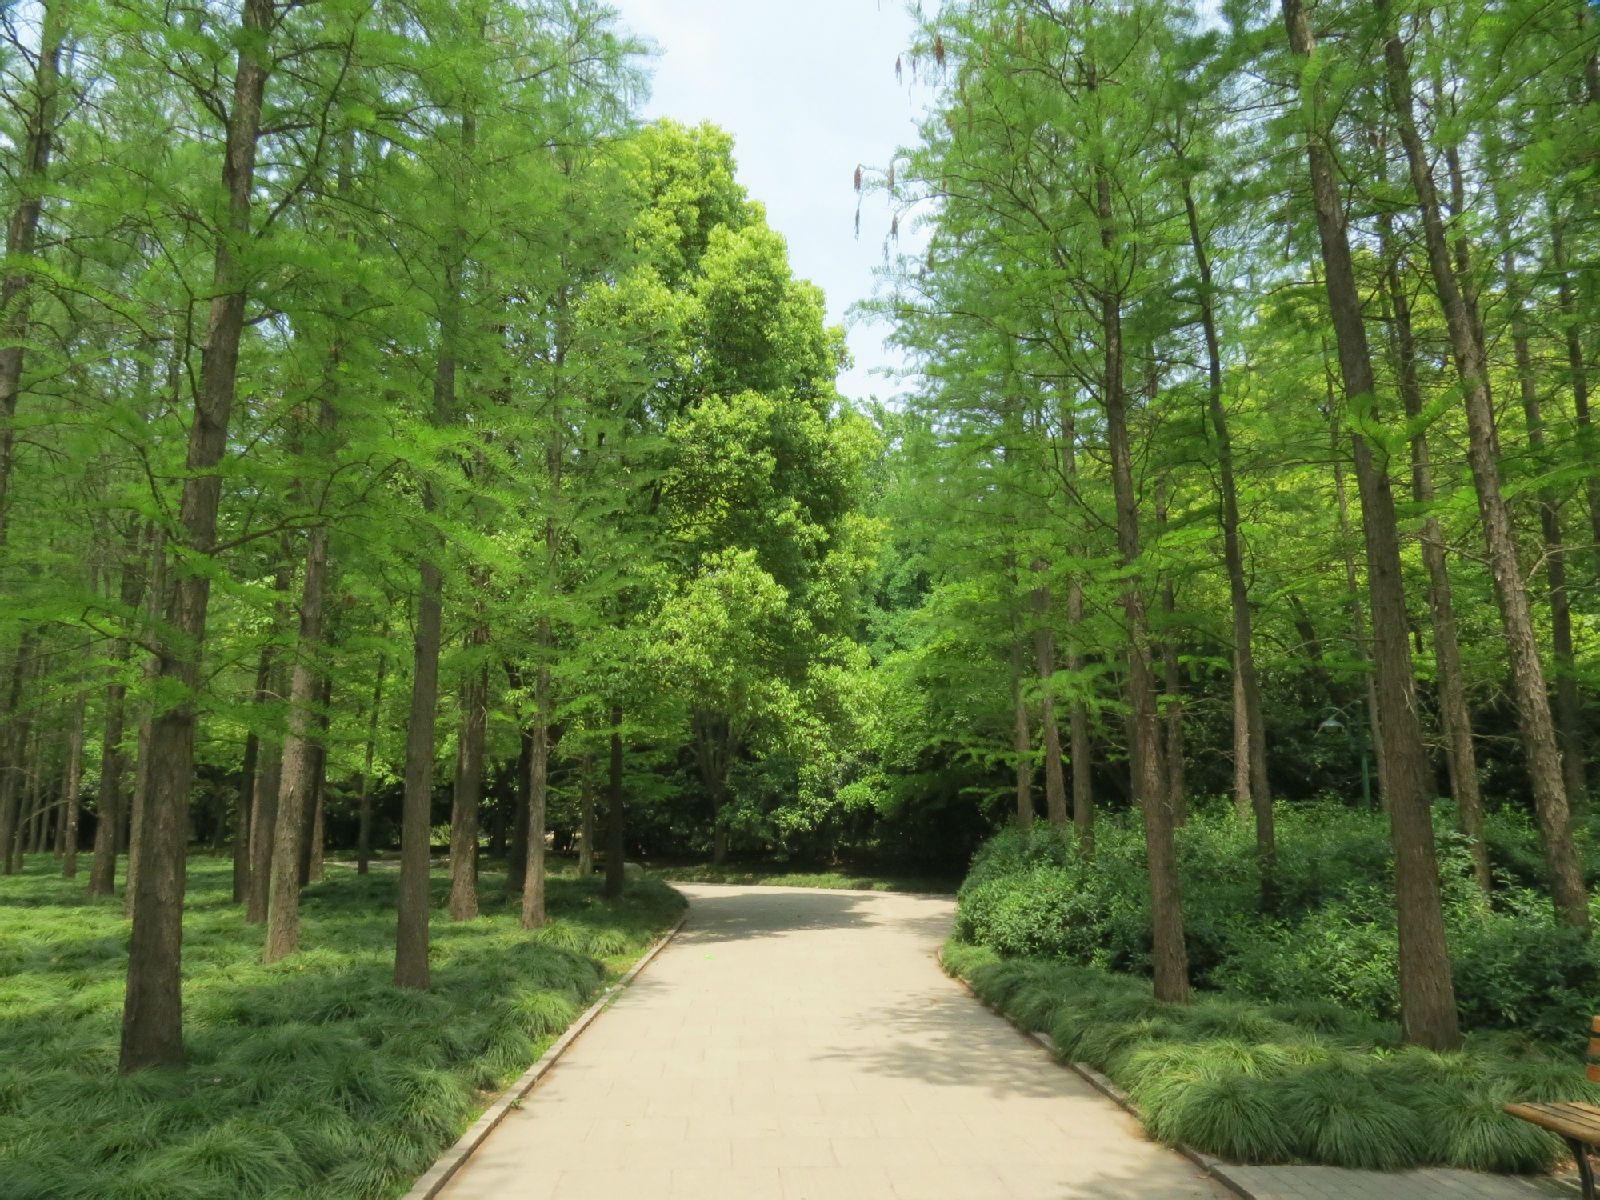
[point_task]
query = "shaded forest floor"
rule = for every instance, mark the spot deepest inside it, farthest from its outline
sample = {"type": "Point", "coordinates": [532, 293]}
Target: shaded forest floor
{"type": "Point", "coordinates": [314, 1077]}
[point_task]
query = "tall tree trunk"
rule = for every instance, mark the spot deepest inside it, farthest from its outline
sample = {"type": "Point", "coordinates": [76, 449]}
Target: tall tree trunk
{"type": "Point", "coordinates": [14, 750]}
{"type": "Point", "coordinates": [1022, 738]}
{"type": "Point", "coordinates": [1044, 654]}
{"type": "Point", "coordinates": [1078, 746]}
{"type": "Point", "coordinates": [1483, 452]}
{"type": "Point", "coordinates": [296, 778]}
{"type": "Point", "coordinates": [533, 911]}
{"type": "Point", "coordinates": [1577, 369]}
{"type": "Point", "coordinates": [616, 818]}
{"type": "Point", "coordinates": [152, 1024]}
{"type": "Point", "coordinates": [155, 597]}
{"type": "Point", "coordinates": [22, 231]}
{"type": "Point", "coordinates": [248, 770]}
{"type": "Point", "coordinates": [1251, 789]}
{"type": "Point", "coordinates": [517, 855]}
{"type": "Point", "coordinates": [269, 754]}
{"type": "Point", "coordinates": [1455, 716]}
{"type": "Point", "coordinates": [416, 821]}
{"type": "Point", "coordinates": [586, 823]}
{"type": "Point", "coordinates": [364, 792]}
{"type": "Point", "coordinates": [463, 904]}
{"type": "Point", "coordinates": [1427, 993]}
{"type": "Point", "coordinates": [1169, 958]}
{"type": "Point", "coordinates": [295, 775]}
{"type": "Point", "coordinates": [1172, 743]}
{"type": "Point", "coordinates": [74, 790]}
{"type": "Point", "coordinates": [1358, 623]}
{"type": "Point", "coordinates": [1569, 705]}
{"type": "Point", "coordinates": [311, 847]}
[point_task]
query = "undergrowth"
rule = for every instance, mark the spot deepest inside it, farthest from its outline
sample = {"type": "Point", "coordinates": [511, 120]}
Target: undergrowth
{"type": "Point", "coordinates": [1302, 1081]}
{"type": "Point", "coordinates": [312, 1079]}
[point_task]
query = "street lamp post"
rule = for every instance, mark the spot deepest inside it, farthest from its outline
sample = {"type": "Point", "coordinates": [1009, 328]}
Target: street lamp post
{"type": "Point", "coordinates": [1331, 723]}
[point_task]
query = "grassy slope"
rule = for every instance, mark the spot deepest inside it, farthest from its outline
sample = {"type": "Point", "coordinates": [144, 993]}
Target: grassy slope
{"type": "Point", "coordinates": [1293, 1082]}
{"type": "Point", "coordinates": [311, 1078]}
{"type": "Point", "coordinates": [773, 877]}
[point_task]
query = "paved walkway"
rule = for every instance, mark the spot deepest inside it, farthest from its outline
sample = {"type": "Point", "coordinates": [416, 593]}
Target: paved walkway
{"type": "Point", "coordinates": [804, 1045]}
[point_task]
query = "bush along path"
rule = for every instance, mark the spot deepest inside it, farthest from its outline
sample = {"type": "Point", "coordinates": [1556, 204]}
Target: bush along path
{"type": "Point", "coordinates": [1267, 1065]}
{"type": "Point", "coordinates": [314, 1078]}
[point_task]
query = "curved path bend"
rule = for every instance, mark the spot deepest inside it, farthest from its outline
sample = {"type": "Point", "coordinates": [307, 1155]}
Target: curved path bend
{"type": "Point", "coordinates": [804, 1045]}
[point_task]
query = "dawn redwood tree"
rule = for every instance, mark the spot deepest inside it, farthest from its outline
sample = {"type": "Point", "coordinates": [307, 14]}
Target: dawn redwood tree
{"type": "Point", "coordinates": [152, 1029]}
{"type": "Point", "coordinates": [1427, 995]}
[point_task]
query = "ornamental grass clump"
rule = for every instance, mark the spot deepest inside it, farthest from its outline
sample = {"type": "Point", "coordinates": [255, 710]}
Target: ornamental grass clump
{"type": "Point", "coordinates": [314, 1078]}
{"type": "Point", "coordinates": [1290, 1081]}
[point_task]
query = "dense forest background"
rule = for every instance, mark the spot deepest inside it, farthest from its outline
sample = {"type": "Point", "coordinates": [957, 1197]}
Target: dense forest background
{"type": "Point", "coordinates": [401, 446]}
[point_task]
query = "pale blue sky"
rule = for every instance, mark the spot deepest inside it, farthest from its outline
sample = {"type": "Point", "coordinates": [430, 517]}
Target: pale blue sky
{"type": "Point", "coordinates": [807, 89]}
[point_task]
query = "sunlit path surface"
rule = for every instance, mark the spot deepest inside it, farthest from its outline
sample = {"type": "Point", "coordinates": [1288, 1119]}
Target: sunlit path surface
{"type": "Point", "coordinates": [798, 1043]}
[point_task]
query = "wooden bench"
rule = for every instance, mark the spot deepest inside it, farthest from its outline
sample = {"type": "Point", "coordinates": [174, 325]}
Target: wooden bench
{"type": "Point", "coordinates": [1576, 1124]}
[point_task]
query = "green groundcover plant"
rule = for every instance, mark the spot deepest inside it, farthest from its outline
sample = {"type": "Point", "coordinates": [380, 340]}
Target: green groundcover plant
{"type": "Point", "coordinates": [311, 1078]}
{"type": "Point", "coordinates": [1289, 1053]}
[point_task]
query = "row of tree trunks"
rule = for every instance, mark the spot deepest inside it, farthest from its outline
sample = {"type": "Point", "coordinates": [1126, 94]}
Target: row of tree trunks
{"type": "Point", "coordinates": [1455, 717]}
{"type": "Point", "coordinates": [1537, 726]}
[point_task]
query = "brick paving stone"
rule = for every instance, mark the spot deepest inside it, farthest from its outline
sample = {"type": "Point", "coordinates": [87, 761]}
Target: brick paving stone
{"type": "Point", "coordinates": [804, 1045]}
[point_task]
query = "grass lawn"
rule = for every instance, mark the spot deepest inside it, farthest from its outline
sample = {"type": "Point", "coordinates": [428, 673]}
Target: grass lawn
{"type": "Point", "coordinates": [312, 1078]}
{"type": "Point", "coordinates": [832, 880]}
{"type": "Point", "coordinates": [1301, 1081]}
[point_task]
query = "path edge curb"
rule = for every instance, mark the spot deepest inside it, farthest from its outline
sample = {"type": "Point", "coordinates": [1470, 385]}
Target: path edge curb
{"type": "Point", "coordinates": [1215, 1168]}
{"type": "Point", "coordinates": [444, 1168]}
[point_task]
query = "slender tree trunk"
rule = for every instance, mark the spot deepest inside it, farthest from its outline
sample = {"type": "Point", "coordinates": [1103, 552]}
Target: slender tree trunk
{"type": "Point", "coordinates": [517, 855]}
{"type": "Point", "coordinates": [1569, 705]}
{"type": "Point", "coordinates": [1251, 789]}
{"type": "Point", "coordinates": [463, 905]}
{"type": "Point", "coordinates": [411, 931]}
{"type": "Point", "coordinates": [156, 592]}
{"type": "Point", "coordinates": [364, 795]}
{"type": "Point", "coordinates": [615, 816]}
{"type": "Point", "coordinates": [28, 836]}
{"type": "Point", "coordinates": [1169, 958]}
{"type": "Point", "coordinates": [1358, 622]}
{"type": "Point", "coordinates": [1455, 716]}
{"type": "Point", "coordinates": [586, 823]}
{"type": "Point", "coordinates": [22, 231]}
{"type": "Point", "coordinates": [297, 774]}
{"type": "Point", "coordinates": [1022, 737]}
{"type": "Point", "coordinates": [416, 823]}
{"type": "Point", "coordinates": [248, 770]}
{"type": "Point", "coordinates": [1483, 452]}
{"type": "Point", "coordinates": [74, 790]}
{"type": "Point", "coordinates": [1044, 653]}
{"type": "Point", "coordinates": [269, 754]}
{"type": "Point", "coordinates": [533, 911]}
{"type": "Point", "coordinates": [1172, 744]}
{"type": "Point", "coordinates": [1078, 747]}
{"type": "Point", "coordinates": [113, 762]}
{"type": "Point", "coordinates": [13, 751]}
{"type": "Point", "coordinates": [1427, 993]}
{"type": "Point", "coordinates": [1577, 368]}
{"type": "Point", "coordinates": [311, 831]}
